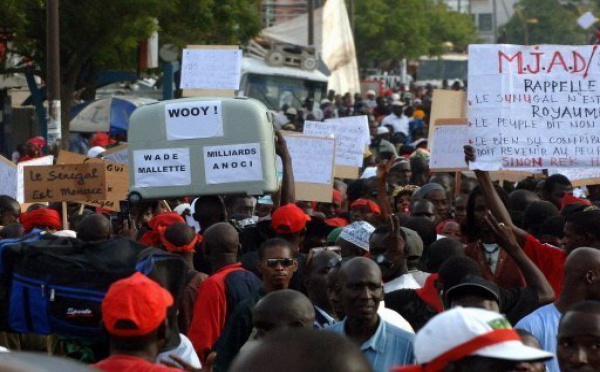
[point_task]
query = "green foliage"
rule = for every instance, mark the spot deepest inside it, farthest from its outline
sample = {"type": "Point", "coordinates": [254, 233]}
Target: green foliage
{"type": "Point", "coordinates": [544, 22]}
{"type": "Point", "coordinates": [396, 29]}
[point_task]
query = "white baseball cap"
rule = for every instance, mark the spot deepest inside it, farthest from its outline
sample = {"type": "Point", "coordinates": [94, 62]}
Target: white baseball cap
{"type": "Point", "coordinates": [461, 332]}
{"type": "Point", "coordinates": [358, 233]}
{"type": "Point", "coordinates": [382, 130]}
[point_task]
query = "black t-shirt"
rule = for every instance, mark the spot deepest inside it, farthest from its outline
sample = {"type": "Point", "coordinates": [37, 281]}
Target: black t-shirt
{"type": "Point", "coordinates": [516, 303]}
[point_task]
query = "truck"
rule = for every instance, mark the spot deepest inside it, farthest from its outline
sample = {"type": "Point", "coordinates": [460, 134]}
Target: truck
{"type": "Point", "coordinates": [280, 74]}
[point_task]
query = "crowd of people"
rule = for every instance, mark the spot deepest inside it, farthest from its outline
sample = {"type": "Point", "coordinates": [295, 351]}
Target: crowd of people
{"type": "Point", "coordinates": [403, 270]}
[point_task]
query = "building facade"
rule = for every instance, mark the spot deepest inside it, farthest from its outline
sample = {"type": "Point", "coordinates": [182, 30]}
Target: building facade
{"type": "Point", "coordinates": [489, 15]}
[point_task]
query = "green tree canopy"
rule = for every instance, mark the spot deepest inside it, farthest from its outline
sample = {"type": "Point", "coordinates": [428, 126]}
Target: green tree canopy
{"type": "Point", "coordinates": [105, 34]}
{"type": "Point", "coordinates": [393, 29]}
{"type": "Point", "coordinates": [544, 22]}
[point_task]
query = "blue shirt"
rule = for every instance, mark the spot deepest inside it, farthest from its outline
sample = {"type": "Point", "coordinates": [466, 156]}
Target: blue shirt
{"type": "Point", "coordinates": [389, 347]}
{"type": "Point", "coordinates": [543, 324]}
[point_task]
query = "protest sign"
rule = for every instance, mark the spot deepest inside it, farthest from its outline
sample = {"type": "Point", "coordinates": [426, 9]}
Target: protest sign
{"type": "Point", "coordinates": [534, 106]}
{"type": "Point", "coordinates": [351, 138]}
{"type": "Point", "coordinates": [579, 176]}
{"type": "Point", "coordinates": [118, 154]}
{"type": "Point", "coordinates": [45, 160]}
{"type": "Point", "coordinates": [162, 167]}
{"type": "Point", "coordinates": [8, 177]}
{"type": "Point", "coordinates": [211, 70]}
{"type": "Point", "coordinates": [232, 163]}
{"type": "Point", "coordinates": [58, 183]}
{"type": "Point", "coordinates": [193, 119]}
{"type": "Point", "coordinates": [312, 163]}
{"type": "Point", "coordinates": [586, 20]}
{"type": "Point", "coordinates": [447, 145]}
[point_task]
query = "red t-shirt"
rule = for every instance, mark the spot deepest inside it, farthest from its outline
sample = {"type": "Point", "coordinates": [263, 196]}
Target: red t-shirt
{"type": "Point", "coordinates": [128, 363]}
{"type": "Point", "coordinates": [549, 259]}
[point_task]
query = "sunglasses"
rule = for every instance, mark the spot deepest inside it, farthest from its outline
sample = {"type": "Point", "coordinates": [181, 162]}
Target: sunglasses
{"type": "Point", "coordinates": [285, 262]}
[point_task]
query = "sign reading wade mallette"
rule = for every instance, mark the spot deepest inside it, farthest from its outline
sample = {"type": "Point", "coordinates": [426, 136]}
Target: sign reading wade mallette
{"type": "Point", "coordinates": [162, 167]}
{"type": "Point", "coordinates": [534, 106]}
{"type": "Point", "coordinates": [193, 119]}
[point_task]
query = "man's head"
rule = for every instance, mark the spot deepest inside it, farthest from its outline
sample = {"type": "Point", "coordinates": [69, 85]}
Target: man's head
{"type": "Point", "coordinates": [209, 210]}
{"type": "Point", "coordinates": [467, 184]}
{"type": "Point", "coordinates": [446, 181]}
{"type": "Point", "coordinates": [477, 209]}
{"type": "Point", "coordinates": [582, 229]}
{"type": "Point", "coordinates": [360, 289]}
{"type": "Point", "coordinates": [365, 210]}
{"type": "Point", "coordinates": [330, 210]}
{"type": "Point", "coordinates": [276, 264]}
{"type": "Point", "coordinates": [221, 244]}
{"type": "Point", "coordinates": [579, 337]}
{"type": "Point", "coordinates": [436, 194]}
{"type": "Point", "coordinates": [300, 351]}
{"type": "Point", "coordinates": [518, 201]}
{"type": "Point", "coordinates": [392, 259]}
{"type": "Point", "coordinates": [582, 274]}
{"type": "Point", "coordinates": [45, 219]}
{"type": "Point", "coordinates": [442, 250]}
{"type": "Point", "coordinates": [399, 174]}
{"type": "Point", "coordinates": [463, 339]}
{"type": "Point", "coordinates": [289, 223]}
{"type": "Point", "coordinates": [10, 210]}
{"type": "Point", "coordinates": [397, 108]}
{"type": "Point", "coordinates": [455, 269]}
{"type": "Point", "coordinates": [317, 268]}
{"type": "Point", "coordinates": [460, 208]}
{"type": "Point", "coordinates": [134, 312]}
{"type": "Point", "coordinates": [94, 227]}
{"type": "Point", "coordinates": [239, 206]}
{"type": "Point", "coordinates": [179, 238]}
{"type": "Point", "coordinates": [282, 310]}
{"type": "Point", "coordinates": [474, 291]}
{"type": "Point", "coordinates": [555, 187]}
{"type": "Point", "coordinates": [423, 208]}
{"type": "Point", "coordinates": [354, 239]}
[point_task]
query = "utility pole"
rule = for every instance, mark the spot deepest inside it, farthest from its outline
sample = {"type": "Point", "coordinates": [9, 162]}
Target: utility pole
{"type": "Point", "coordinates": [311, 22]}
{"type": "Point", "coordinates": [54, 129]}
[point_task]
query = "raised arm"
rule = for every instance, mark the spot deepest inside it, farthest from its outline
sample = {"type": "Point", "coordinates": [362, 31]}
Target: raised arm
{"type": "Point", "coordinates": [383, 199]}
{"type": "Point", "coordinates": [492, 199]}
{"type": "Point", "coordinates": [533, 276]}
{"type": "Point", "coordinates": [287, 183]}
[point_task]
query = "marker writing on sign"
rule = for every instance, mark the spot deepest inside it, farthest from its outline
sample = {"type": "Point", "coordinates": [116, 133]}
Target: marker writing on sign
{"type": "Point", "coordinates": [192, 111]}
{"type": "Point", "coordinates": [536, 62]}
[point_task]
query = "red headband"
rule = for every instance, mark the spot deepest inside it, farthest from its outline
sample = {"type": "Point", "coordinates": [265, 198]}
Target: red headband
{"type": "Point", "coordinates": [170, 247]}
{"type": "Point", "coordinates": [41, 217]}
{"type": "Point", "coordinates": [374, 207]}
{"type": "Point", "coordinates": [463, 350]}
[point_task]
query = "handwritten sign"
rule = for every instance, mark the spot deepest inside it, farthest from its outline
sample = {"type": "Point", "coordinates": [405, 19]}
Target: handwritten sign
{"type": "Point", "coordinates": [312, 158]}
{"type": "Point", "coordinates": [193, 119]}
{"type": "Point", "coordinates": [579, 176]}
{"type": "Point", "coordinates": [447, 147]}
{"type": "Point", "coordinates": [534, 106]}
{"type": "Point", "coordinates": [350, 138]}
{"type": "Point", "coordinates": [45, 160]}
{"type": "Point", "coordinates": [75, 182]}
{"type": "Point", "coordinates": [162, 167]}
{"type": "Point", "coordinates": [211, 69]}
{"type": "Point", "coordinates": [232, 163]}
{"type": "Point", "coordinates": [8, 177]}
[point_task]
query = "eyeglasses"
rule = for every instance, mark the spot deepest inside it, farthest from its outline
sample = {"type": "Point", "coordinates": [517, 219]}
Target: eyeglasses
{"type": "Point", "coordinates": [285, 262]}
{"type": "Point", "coordinates": [337, 261]}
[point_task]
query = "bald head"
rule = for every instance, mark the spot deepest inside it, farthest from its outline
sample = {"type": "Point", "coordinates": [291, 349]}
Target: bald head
{"type": "Point", "coordinates": [581, 260]}
{"type": "Point", "coordinates": [582, 274]}
{"type": "Point", "coordinates": [93, 228]}
{"type": "Point", "coordinates": [282, 310]}
{"type": "Point", "coordinates": [221, 242]}
{"type": "Point", "coordinates": [302, 350]}
{"type": "Point", "coordinates": [179, 234]}
{"type": "Point", "coordinates": [359, 265]}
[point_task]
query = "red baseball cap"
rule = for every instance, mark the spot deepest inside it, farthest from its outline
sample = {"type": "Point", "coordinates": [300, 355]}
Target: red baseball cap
{"type": "Point", "coordinates": [289, 219]}
{"type": "Point", "coordinates": [374, 207]}
{"type": "Point", "coordinates": [139, 301]}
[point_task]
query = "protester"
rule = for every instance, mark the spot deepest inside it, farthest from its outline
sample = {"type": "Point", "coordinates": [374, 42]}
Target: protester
{"type": "Point", "coordinates": [10, 210]}
{"type": "Point", "coordinates": [354, 239]}
{"type": "Point", "coordinates": [276, 266]}
{"type": "Point", "coordinates": [360, 292]}
{"type": "Point", "coordinates": [282, 310]}
{"type": "Point", "coordinates": [578, 337]}
{"type": "Point", "coordinates": [44, 219]}
{"type": "Point", "coordinates": [222, 292]}
{"type": "Point", "coordinates": [469, 340]}
{"type": "Point", "coordinates": [318, 266]}
{"type": "Point", "coordinates": [133, 313]}
{"type": "Point", "coordinates": [436, 194]}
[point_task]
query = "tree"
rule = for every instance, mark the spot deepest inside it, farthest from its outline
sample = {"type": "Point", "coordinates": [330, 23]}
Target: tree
{"type": "Point", "coordinates": [105, 34]}
{"type": "Point", "coordinates": [392, 29]}
{"type": "Point", "coordinates": [544, 22]}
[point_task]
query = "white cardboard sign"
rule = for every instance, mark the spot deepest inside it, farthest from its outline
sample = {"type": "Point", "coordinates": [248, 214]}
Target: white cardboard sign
{"type": "Point", "coordinates": [350, 138]}
{"type": "Point", "coordinates": [447, 147]}
{"type": "Point", "coordinates": [312, 159]}
{"type": "Point", "coordinates": [162, 167]}
{"type": "Point", "coordinates": [193, 119]}
{"type": "Point", "coordinates": [211, 69]}
{"type": "Point", "coordinates": [586, 20]}
{"type": "Point", "coordinates": [534, 106]}
{"type": "Point", "coordinates": [232, 163]}
{"type": "Point", "coordinates": [8, 178]}
{"type": "Point", "coordinates": [45, 160]}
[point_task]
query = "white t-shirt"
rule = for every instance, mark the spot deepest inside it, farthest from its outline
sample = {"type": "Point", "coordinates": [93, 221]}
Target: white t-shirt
{"type": "Point", "coordinates": [406, 281]}
{"type": "Point", "coordinates": [543, 324]}
{"type": "Point", "coordinates": [394, 318]}
{"type": "Point", "coordinates": [185, 351]}
{"type": "Point", "coordinates": [400, 124]}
